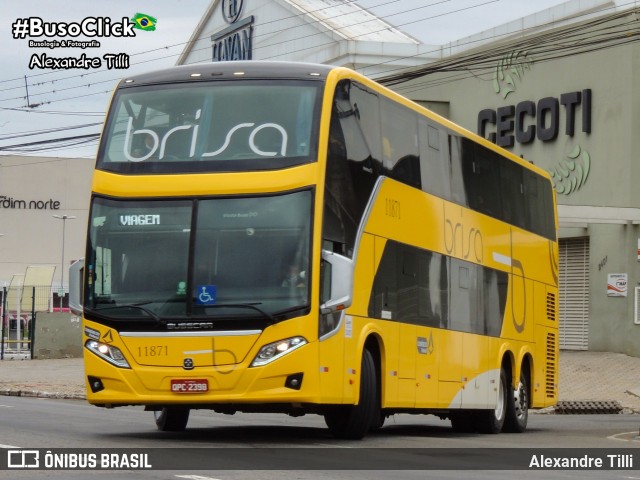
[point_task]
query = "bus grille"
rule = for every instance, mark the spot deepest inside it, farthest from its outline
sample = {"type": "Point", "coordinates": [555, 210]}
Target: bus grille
{"type": "Point", "coordinates": [551, 370]}
{"type": "Point", "coordinates": [551, 307]}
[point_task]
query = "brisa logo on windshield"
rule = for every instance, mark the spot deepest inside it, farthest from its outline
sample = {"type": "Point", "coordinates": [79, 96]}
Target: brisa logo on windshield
{"type": "Point", "coordinates": [134, 220]}
{"type": "Point", "coordinates": [155, 144]}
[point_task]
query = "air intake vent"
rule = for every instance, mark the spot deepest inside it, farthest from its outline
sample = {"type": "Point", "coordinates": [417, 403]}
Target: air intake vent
{"type": "Point", "coordinates": [552, 312]}
{"type": "Point", "coordinates": [551, 383]}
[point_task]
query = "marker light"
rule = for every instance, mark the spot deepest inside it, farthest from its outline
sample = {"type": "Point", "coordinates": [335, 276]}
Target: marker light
{"type": "Point", "coordinates": [109, 353]}
{"type": "Point", "coordinates": [275, 350]}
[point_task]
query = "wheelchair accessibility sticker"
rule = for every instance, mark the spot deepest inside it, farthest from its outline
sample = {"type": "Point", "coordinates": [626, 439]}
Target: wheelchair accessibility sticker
{"type": "Point", "coordinates": [206, 295]}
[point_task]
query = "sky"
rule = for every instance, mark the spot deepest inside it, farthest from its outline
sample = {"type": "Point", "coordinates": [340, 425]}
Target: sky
{"type": "Point", "coordinates": [75, 100]}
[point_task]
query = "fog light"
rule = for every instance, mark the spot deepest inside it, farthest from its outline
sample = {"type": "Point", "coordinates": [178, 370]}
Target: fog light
{"type": "Point", "coordinates": [294, 381]}
{"type": "Point", "coordinates": [95, 384]}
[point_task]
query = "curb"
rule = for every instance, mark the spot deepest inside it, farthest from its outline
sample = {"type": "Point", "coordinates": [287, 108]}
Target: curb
{"type": "Point", "coordinates": [585, 407]}
{"type": "Point", "coordinates": [42, 394]}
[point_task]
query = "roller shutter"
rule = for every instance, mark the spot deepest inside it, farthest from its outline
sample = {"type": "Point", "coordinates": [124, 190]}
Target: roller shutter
{"type": "Point", "coordinates": [574, 293]}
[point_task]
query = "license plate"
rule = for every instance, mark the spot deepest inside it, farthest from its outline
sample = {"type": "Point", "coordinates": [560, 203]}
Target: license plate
{"type": "Point", "coordinates": [191, 385]}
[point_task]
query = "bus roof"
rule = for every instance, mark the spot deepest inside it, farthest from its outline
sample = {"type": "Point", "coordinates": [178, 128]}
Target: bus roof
{"type": "Point", "coordinates": [221, 70]}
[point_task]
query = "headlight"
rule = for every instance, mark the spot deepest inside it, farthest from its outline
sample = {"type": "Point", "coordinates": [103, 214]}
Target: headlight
{"type": "Point", "coordinates": [107, 352]}
{"type": "Point", "coordinates": [272, 351]}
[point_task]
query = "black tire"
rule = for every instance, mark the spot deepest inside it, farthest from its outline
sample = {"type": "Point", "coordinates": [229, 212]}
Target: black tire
{"type": "Point", "coordinates": [354, 421]}
{"type": "Point", "coordinates": [172, 419]}
{"type": "Point", "coordinates": [378, 422]}
{"type": "Point", "coordinates": [518, 406]}
{"type": "Point", "coordinates": [492, 421]}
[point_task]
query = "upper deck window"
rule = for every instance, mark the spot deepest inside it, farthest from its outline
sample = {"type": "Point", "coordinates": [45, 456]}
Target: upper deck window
{"type": "Point", "coordinates": [214, 126]}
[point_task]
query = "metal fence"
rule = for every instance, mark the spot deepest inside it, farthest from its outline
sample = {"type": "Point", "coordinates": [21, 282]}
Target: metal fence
{"type": "Point", "coordinates": [19, 306]}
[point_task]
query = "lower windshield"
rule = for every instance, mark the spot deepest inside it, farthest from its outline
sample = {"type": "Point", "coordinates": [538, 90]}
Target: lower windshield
{"type": "Point", "coordinates": [224, 257]}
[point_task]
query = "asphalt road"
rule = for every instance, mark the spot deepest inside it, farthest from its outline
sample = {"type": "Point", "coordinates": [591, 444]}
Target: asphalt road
{"type": "Point", "coordinates": [273, 443]}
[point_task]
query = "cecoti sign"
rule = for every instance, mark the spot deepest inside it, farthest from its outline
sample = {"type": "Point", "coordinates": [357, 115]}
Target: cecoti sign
{"type": "Point", "coordinates": [527, 121]}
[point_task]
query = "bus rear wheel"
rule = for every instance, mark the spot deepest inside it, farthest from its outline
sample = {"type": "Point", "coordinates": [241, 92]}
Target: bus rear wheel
{"type": "Point", "coordinates": [354, 421]}
{"type": "Point", "coordinates": [172, 419]}
{"type": "Point", "coordinates": [518, 406]}
{"type": "Point", "coordinates": [492, 421]}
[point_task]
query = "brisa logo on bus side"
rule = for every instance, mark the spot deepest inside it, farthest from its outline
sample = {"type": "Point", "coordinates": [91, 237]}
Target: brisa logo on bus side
{"type": "Point", "coordinates": [161, 143]}
{"type": "Point", "coordinates": [462, 240]}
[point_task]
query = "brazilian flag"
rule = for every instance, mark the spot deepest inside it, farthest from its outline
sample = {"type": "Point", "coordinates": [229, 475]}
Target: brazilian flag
{"type": "Point", "coordinates": [144, 22]}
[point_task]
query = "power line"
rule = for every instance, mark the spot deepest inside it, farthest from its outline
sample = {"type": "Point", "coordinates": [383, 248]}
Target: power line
{"type": "Point", "coordinates": [55, 112]}
{"type": "Point", "coordinates": [75, 139]}
{"type": "Point", "coordinates": [46, 131]}
{"type": "Point", "coordinates": [564, 42]}
{"type": "Point", "coordinates": [465, 63]}
{"type": "Point", "coordinates": [270, 33]}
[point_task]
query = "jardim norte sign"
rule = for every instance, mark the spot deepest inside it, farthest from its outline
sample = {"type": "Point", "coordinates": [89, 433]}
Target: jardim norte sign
{"type": "Point", "coordinates": [10, 203]}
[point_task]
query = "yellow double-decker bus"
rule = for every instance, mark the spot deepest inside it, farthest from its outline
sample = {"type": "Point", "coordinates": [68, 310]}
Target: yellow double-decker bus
{"type": "Point", "coordinates": [295, 238]}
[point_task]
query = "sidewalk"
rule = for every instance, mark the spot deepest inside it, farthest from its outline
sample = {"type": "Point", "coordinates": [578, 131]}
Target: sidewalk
{"type": "Point", "coordinates": [584, 376]}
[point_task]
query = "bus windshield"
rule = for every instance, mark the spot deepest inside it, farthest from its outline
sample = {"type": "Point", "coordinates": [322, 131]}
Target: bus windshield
{"type": "Point", "coordinates": [212, 126]}
{"type": "Point", "coordinates": [210, 258]}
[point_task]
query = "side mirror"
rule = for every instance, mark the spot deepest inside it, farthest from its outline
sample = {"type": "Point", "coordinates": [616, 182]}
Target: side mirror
{"type": "Point", "coordinates": [76, 272]}
{"type": "Point", "coordinates": [336, 282]}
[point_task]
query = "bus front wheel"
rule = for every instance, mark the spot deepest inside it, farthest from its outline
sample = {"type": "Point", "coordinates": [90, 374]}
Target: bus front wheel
{"type": "Point", "coordinates": [172, 419]}
{"type": "Point", "coordinates": [354, 421]}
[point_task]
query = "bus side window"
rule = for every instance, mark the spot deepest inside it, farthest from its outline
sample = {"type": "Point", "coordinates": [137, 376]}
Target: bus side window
{"type": "Point", "coordinates": [512, 187]}
{"type": "Point", "coordinates": [350, 174]}
{"type": "Point", "coordinates": [383, 302]}
{"type": "Point", "coordinates": [458, 187]}
{"type": "Point", "coordinates": [434, 164]}
{"type": "Point", "coordinates": [539, 217]}
{"type": "Point", "coordinates": [367, 105]}
{"type": "Point", "coordinates": [401, 156]}
{"type": "Point", "coordinates": [439, 289]}
{"type": "Point", "coordinates": [481, 170]}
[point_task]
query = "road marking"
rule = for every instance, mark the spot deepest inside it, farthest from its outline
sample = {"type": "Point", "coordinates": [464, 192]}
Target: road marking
{"type": "Point", "coordinates": [618, 436]}
{"type": "Point", "coordinates": [331, 445]}
{"type": "Point", "coordinates": [195, 477]}
{"type": "Point", "coordinates": [6, 406]}
{"type": "Point", "coordinates": [8, 446]}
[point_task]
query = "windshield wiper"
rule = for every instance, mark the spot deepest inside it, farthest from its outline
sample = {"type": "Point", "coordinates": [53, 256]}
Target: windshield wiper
{"type": "Point", "coordinates": [135, 306]}
{"type": "Point", "coordinates": [251, 306]}
{"type": "Point", "coordinates": [289, 310]}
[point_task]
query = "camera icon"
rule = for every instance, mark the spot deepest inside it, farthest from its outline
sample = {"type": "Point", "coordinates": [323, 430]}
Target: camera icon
{"type": "Point", "coordinates": [23, 459]}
